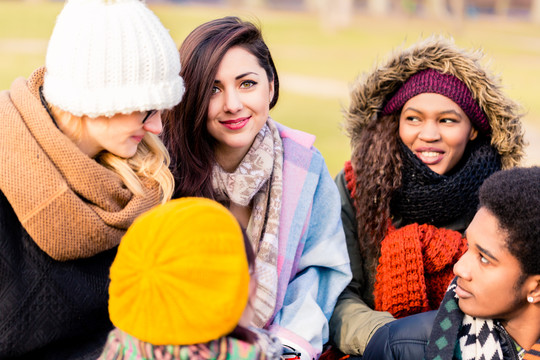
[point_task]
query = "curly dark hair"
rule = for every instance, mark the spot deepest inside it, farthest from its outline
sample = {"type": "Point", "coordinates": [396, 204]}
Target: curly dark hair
{"type": "Point", "coordinates": [513, 196]}
{"type": "Point", "coordinates": [378, 176]}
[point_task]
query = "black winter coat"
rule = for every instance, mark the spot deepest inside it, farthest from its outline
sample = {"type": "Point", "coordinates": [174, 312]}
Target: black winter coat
{"type": "Point", "coordinates": [403, 339]}
{"type": "Point", "coordinates": [49, 309]}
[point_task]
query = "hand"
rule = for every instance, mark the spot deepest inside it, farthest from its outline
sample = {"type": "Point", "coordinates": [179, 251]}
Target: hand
{"type": "Point", "coordinates": [290, 353]}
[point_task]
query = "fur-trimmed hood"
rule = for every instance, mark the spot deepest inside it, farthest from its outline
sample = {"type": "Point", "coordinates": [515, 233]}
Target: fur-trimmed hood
{"type": "Point", "coordinates": [371, 91]}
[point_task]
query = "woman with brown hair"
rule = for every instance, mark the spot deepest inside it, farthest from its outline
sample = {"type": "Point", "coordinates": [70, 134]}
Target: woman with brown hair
{"type": "Point", "coordinates": [225, 146]}
{"type": "Point", "coordinates": [427, 127]}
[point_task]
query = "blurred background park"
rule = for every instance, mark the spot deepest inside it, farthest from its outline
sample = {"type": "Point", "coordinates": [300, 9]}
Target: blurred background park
{"type": "Point", "coordinates": [321, 46]}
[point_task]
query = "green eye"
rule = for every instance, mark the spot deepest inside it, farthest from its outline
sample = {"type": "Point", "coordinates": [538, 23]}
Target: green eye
{"type": "Point", "coordinates": [247, 84]}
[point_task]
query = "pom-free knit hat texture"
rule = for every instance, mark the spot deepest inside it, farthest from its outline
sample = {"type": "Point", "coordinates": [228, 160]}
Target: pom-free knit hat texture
{"type": "Point", "coordinates": [432, 81]}
{"type": "Point", "coordinates": [107, 57]}
{"type": "Point", "coordinates": [181, 274]}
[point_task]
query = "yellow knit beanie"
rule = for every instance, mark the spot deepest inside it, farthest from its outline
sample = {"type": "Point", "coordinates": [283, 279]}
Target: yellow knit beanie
{"type": "Point", "coordinates": [181, 274]}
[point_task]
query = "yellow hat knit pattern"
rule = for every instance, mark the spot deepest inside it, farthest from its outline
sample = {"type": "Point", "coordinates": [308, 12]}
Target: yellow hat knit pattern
{"type": "Point", "coordinates": [181, 274]}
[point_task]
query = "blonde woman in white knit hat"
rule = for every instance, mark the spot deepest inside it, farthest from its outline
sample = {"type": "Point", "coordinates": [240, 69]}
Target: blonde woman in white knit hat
{"type": "Point", "coordinates": [80, 160]}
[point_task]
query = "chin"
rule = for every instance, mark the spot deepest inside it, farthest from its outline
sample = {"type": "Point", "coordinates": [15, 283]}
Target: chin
{"type": "Point", "coordinates": [470, 310]}
{"type": "Point", "coordinates": [437, 169]}
{"type": "Point", "coordinates": [125, 154]}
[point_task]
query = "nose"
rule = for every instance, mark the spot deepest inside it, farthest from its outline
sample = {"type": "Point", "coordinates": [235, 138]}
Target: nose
{"type": "Point", "coordinates": [233, 102]}
{"type": "Point", "coordinates": [461, 268]}
{"type": "Point", "coordinates": [429, 132]}
{"type": "Point", "coordinates": [153, 124]}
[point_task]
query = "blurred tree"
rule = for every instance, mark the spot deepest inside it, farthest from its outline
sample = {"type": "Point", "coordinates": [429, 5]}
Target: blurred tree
{"type": "Point", "coordinates": [315, 5]}
{"type": "Point", "coordinates": [246, 3]}
{"type": "Point", "coordinates": [502, 7]}
{"type": "Point", "coordinates": [409, 7]}
{"type": "Point", "coordinates": [233, 3]}
{"type": "Point", "coordinates": [338, 13]}
{"type": "Point", "coordinates": [378, 7]}
{"type": "Point", "coordinates": [535, 11]}
{"type": "Point", "coordinates": [333, 14]}
{"type": "Point", "coordinates": [436, 8]}
{"type": "Point", "coordinates": [457, 7]}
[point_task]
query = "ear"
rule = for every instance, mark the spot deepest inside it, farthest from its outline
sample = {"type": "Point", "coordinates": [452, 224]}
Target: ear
{"type": "Point", "coordinates": [533, 288]}
{"type": "Point", "coordinates": [271, 88]}
{"type": "Point", "coordinates": [473, 134]}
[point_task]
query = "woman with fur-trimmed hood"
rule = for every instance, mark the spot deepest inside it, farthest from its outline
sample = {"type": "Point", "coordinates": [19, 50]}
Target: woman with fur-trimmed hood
{"type": "Point", "coordinates": [427, 127]}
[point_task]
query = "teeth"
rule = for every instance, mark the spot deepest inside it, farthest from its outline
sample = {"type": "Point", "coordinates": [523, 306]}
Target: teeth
{"type": "Point", "coordinates": [233, 123]}
{"type": "Point", "coordinates": [429, 153]}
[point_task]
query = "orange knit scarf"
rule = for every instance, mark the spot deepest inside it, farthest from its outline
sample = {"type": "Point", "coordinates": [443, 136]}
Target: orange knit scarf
{"type": "Point", "coordinates": [415, 266]}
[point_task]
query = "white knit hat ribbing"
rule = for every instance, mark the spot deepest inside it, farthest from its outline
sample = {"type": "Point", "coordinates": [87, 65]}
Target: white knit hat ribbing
{"type": "Point", "coordinates": [107, 57]}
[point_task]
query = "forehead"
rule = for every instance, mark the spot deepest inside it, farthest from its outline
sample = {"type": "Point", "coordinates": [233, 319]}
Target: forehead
{"type": "Point", "coordinates": [485, 232]}
{"type": "Point", "coordinates": [239, 60]}
{"type": "Point", "coordinates": [432, 101]}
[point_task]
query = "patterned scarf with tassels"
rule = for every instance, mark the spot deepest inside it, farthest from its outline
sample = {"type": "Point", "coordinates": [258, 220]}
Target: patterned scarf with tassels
{"type": "Point", "coordinates": [456, 335]}
{"type": "Point", "coordinates": [258, 181]}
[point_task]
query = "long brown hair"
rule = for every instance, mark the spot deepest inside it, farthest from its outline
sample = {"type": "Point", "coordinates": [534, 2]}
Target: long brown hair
{"type": "Point", "coordinates": [240, 332]}
{"type": "Point", "coordinates": [185, 134]}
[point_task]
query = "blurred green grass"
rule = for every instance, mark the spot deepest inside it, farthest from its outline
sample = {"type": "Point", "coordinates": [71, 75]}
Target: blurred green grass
{"type": "Point", "coordinates": [316, 64]}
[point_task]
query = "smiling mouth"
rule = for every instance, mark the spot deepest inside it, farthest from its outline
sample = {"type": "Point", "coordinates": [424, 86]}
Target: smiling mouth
{"type": "Point", "coordinates": [236, 123]}
{"type": "Point", "coordinates": [430, 157]}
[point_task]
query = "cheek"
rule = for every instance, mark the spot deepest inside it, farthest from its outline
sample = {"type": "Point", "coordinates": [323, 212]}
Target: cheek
{"type": "Point", "coordinates": [406, 135]}
{"type": "Point", "coordinates": [458, 142]}
{"type": "Point", "coordinates": [210, 128]}
{"type": "Point", "coordinates": [212, 109]}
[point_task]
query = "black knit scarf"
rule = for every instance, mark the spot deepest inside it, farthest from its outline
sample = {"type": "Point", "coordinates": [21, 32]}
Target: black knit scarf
{"type": "Point", "coordinates": [427, 197]}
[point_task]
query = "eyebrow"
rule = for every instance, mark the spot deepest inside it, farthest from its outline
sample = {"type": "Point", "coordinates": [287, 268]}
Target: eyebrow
{"type": "Point", "coordinates": [238, 77]}
{"type": "Point", "coordinates": [485, 251]}
{"type": "Point", "coordinates": [440, 113]}
{"type": "Point", "coordinates": [482, 250]}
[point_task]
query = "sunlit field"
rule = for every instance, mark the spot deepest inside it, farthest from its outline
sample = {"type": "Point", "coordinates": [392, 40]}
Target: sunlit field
{"type": "Point", "coordinates": [316, 64]}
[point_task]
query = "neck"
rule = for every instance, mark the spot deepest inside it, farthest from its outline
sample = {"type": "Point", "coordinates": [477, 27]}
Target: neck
{"type": "Point", "coordinates": [525, 329]}
{"type": "Point", "coordinates": [230, 159]}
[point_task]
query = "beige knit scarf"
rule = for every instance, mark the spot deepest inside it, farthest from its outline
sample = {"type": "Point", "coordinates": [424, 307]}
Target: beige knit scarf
{"type": "Point", "coordinates": [70, 205]}
{"type": "Point", "coordinates": [258, 182]}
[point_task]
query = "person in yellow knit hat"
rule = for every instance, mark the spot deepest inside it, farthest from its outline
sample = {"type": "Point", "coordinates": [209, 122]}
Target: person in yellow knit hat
{"type": "Point", "coordinates": [181, 287]}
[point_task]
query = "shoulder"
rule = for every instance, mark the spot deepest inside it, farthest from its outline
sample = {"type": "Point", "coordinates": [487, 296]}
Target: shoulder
{"type": "Point", "coordinates": [405, 338]}
{"type": "Point", "coordinates": [299, 137]}
{"type": "Point", "coordinates": [298, 151]}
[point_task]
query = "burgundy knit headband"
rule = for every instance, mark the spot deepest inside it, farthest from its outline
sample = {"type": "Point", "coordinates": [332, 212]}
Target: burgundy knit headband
{"type": "Point", "coordinates": [432, 81]}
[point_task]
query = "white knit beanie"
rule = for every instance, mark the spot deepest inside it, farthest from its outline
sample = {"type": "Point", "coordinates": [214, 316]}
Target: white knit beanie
{"type": "Point", "coordinates": [107, 57]}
